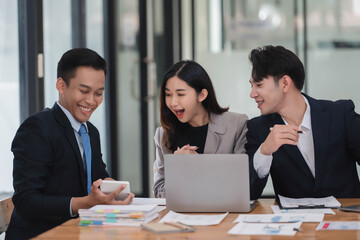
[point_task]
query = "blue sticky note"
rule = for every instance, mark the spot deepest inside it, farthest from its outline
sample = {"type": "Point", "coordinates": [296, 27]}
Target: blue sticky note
{"type": "Point", "coordinates": [111, 220]}
{"type": "Point", "coordinates": [97, 222]}
{"type": "Point", "coordinates": [110, 215]}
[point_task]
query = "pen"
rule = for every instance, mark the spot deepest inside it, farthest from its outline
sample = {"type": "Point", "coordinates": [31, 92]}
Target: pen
{"type": "Point", "coordinates": [303, 132]}
{"type": "Point", "coordinates": [177, 225]}
{"type": "Point", "coordinates": [281, 227]}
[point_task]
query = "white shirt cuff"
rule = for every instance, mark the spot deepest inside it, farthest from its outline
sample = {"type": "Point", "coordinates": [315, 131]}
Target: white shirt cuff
{"type": "Point", "coordinates": [262, 163]}
{"type": "Point", "coordinates": [71, 213]}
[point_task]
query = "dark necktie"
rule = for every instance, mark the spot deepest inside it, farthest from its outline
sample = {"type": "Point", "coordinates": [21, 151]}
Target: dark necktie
{"type": "Point", "coordinates": [87, 150]}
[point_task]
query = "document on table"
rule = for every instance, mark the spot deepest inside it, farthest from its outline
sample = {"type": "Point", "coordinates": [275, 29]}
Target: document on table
{"type": "Point", "coordinates": [277, 210]}
{"type": "Point", "coordinates": [192, 219]}
{"type": "Point", "coordinates": [338, 226]}
{"type": "Point", "coordinates": [327, 202]}
{"type": "Point", "coordinates": [287, 229]}
{"type": "Point", "coordinates": [142, 201]}
{"type": "Point", "coordinates": [279, 218]}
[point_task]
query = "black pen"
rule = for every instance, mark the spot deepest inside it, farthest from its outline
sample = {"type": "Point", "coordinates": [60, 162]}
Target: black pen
{"type": "Point", "coordinates": [303, 132]}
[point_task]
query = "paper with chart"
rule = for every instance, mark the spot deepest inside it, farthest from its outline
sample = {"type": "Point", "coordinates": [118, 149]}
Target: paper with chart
{"type": "Point", "coordinates": [279, 218]}
{"type": "Point", "coordinates": [277, 210]}
{"type": "Point", "coordinates": [192, 219]}
{"type": "Point", "coordinates": [287, 229]}
{"type": "Point", "coordinates": [338, 226]}
{"type": "Point", "coordinates": [329, 202]}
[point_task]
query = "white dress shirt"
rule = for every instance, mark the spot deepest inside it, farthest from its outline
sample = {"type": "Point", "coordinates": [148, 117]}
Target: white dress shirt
{"type": "Point", "coordinates": [262, 163]}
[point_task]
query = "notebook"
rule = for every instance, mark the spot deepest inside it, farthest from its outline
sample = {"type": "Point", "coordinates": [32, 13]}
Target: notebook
{"type": "Point", "coordinates": [207, 183]}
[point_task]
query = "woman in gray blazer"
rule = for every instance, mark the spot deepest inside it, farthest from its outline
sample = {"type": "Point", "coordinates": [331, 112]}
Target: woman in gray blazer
{"type": "Point", "coordinates": [192, 120]}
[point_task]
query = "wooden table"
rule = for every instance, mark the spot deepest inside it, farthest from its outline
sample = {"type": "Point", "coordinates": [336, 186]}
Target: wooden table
{"type": "Point", "coordinates": [71, 230]}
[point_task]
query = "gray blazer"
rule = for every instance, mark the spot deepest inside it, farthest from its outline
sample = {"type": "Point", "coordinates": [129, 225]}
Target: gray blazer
{"type": "Point", "coordinates": [226, 134]}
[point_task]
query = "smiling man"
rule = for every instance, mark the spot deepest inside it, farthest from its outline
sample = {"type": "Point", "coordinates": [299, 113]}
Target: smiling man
{"type": "Point", "coordinates": [58, 165]}
{"type": "Point", "coordinates": [310, 147]}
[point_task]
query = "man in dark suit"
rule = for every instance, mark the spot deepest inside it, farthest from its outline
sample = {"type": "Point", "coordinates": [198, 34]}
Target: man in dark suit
{"type": "Point", "coordinates": [58, 164]}
{"type": "Point", "coordinates": [310, 147]}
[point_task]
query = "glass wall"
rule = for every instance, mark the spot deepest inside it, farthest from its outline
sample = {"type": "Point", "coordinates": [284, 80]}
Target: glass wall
{"type": "Point", "coordinates": [95, 41]}
{"type": "Point", "coordinates": [334, 49]}
{"type": "Point", "coordinates": [57, 40]}
{"type": "Point", "coordinates": [129, 112]}
{"type": "Point", "coordinates": [9, 88]}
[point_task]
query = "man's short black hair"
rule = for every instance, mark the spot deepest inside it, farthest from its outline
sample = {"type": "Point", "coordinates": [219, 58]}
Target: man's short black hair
{"type": "Point", "coordinates": [78, 57]}
{"type": "Point", "coordinates": [276, 62]}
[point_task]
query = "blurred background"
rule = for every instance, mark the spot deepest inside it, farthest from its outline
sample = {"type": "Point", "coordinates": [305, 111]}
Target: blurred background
{"type": "Point", "coordinates": [140, 39]}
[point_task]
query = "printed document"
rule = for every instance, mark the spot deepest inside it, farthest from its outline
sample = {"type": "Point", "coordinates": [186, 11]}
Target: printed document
{"type": "Point", "coordinates": [287, 229]}
{"type": "Point", "coordinates": [329, 202]}
{"type": "Point", "coordinates": [192, 219]}
{"type": "Point", "coordinates": [279, 218]}
{"type": "Point", "coordinates": [338, 226]}
{"type": "Point", "coordinates": [277, 210]}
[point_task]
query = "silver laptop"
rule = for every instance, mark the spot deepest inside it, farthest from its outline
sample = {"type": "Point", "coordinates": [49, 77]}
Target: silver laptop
{"type": "Point", "coordinates": [207, 183]}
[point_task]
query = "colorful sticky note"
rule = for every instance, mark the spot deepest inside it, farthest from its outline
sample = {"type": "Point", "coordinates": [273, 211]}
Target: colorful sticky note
{"type": "Point", "coordinates": [97, 222]}
{"type": "Point", "coordinates": [86, 221]}
{"type": "Point", "coordinates": [111, 220]}
{"type": "Point", "coordinates": [137, 215]}
{"type": "Point", "coordinates": [110, 215]}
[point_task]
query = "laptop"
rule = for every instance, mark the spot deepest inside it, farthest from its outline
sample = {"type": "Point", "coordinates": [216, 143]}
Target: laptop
{"type": "Point", "coordinates": [207, 183]}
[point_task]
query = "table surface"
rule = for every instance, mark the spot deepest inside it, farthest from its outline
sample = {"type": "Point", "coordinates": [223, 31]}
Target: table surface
{"type": "Point", "coordinates": [71, 230]}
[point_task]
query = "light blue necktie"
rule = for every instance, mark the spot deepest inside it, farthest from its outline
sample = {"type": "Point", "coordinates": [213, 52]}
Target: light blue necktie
{"type": "Point", "coordinates": [87, 149]}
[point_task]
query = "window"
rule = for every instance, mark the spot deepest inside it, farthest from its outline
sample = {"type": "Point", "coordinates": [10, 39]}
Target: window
{"type": "Point", "coordinates": [9, 88]}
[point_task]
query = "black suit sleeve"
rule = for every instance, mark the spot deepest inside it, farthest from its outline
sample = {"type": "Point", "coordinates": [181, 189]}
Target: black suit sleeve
{"type": "Point", "coordinates": [253, 143]}
{"type": "Point", "coordinates": [33, 158]}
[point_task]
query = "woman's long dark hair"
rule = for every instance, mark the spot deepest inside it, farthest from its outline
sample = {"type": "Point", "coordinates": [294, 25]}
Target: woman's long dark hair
{"type": "Point", "coordinates": [196, 77]}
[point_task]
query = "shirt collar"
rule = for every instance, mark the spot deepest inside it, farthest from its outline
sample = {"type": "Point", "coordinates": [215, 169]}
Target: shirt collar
{"type": "Point", "coordinates": [74, 123]}
{"type": "Point", "coordinates": [306, 121]}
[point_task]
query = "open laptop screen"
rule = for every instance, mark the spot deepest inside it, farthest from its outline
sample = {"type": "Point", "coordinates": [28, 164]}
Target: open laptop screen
{"type": "Point", "coordinates": [207, 182]}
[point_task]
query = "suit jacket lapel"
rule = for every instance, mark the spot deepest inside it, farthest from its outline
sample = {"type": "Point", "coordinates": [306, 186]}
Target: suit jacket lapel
{"type": "Point", "coordinates": [216, 126]}
{"type": "Point", "coordinates": [69, 133]}
{"type": "Point", "coordinates": [320, 129]}
{"type": "Point", "coordinates": [292, 151]}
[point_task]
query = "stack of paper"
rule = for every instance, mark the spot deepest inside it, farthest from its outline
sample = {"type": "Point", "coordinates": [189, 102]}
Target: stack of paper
{"type": "Point", "coordinates": [118, 215]}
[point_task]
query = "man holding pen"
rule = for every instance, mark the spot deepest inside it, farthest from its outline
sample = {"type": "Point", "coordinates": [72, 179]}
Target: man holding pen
{"type": "Point", "coordinates": [310, 147]}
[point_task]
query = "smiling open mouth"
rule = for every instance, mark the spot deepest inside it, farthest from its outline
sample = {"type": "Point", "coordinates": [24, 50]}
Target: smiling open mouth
{"type": "Point", "coordinates": [260, 103]}
{"type": "Point", "coordinates": [85, 109]}
{"type": "Point", "coordinates": [179, 113]}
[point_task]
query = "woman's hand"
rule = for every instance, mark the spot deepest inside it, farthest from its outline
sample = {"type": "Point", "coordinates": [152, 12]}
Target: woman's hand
{"type": "Point", "coordinates": [187, 149]}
